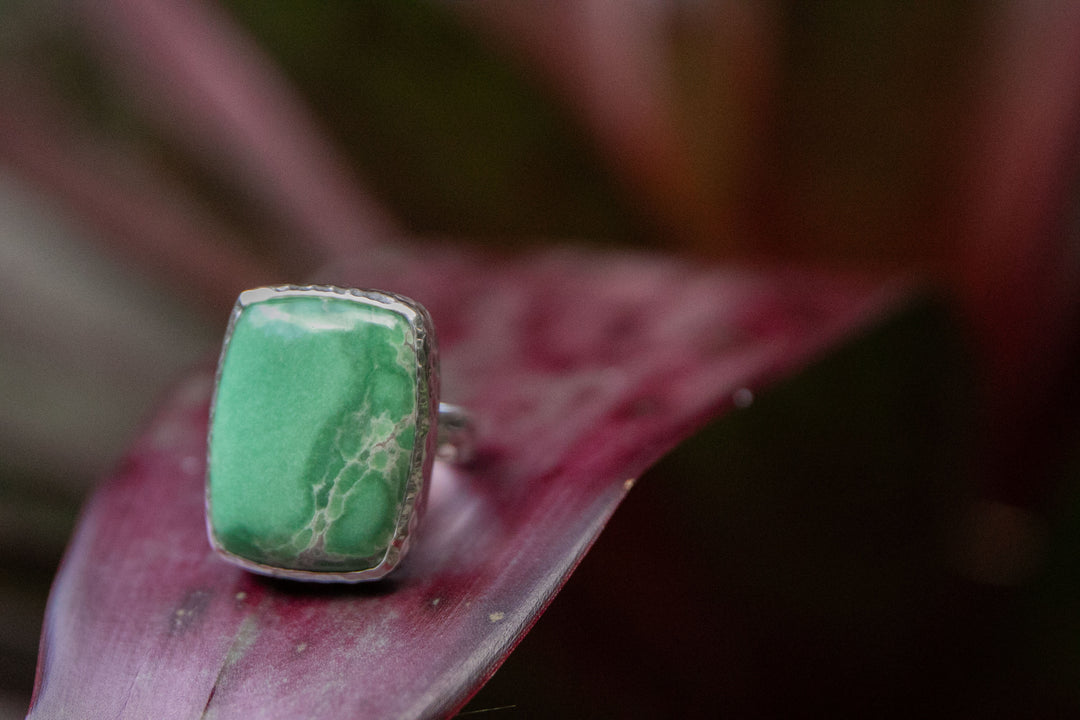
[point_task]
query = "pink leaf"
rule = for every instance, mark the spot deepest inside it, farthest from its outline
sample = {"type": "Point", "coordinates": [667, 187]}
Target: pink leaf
{"type": "Point", "coordinates": [583, 369]}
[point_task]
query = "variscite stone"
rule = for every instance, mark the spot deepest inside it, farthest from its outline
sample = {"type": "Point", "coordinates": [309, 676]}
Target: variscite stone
{"type": "Point", "coordinates": [313, 434]}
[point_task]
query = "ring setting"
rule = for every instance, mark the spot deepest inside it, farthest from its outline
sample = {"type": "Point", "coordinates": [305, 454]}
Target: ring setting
{"type": "Point", "coordinates": [323, 430]}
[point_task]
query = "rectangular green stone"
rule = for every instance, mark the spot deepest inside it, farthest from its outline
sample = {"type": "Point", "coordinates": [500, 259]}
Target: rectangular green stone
{"type": "Point", "coordinates": [314, 449]}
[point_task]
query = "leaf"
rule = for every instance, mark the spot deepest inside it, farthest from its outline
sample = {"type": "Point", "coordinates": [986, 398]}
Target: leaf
{"type": "Point", "coordinates": [582, 369]}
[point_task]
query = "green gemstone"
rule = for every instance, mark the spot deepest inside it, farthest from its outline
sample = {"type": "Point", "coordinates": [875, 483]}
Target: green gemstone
{"type": "Point", "coordinates": [314, 427]}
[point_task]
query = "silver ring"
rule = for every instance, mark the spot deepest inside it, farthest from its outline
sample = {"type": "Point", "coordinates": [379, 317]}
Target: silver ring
{"type": "Point", "coordinates": [457, 435]}
{"type": "Point", "coordinates": [324, 425]}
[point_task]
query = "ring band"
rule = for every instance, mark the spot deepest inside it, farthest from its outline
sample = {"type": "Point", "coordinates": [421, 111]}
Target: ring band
{"type": "Point", "coordinates": [457, 435]}
{"type": "Point", "coordinates": [324, 425]}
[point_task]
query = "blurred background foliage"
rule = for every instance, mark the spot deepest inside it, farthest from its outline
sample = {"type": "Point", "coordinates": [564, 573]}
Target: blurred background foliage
{"type": "Point", "coordinates": [891, 530]}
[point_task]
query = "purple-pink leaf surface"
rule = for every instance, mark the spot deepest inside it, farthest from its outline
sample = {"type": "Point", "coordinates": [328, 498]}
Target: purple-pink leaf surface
{"type": "Point", "coordinates": [582, 369]}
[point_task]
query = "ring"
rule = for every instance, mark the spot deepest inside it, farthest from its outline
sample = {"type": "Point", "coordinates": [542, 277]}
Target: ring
{"type": "Point", "coordinates": [324, 425]}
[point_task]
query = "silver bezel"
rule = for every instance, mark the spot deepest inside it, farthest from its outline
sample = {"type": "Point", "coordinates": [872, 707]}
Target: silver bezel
{"type": "Point", "coordinates": [427, 405]}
